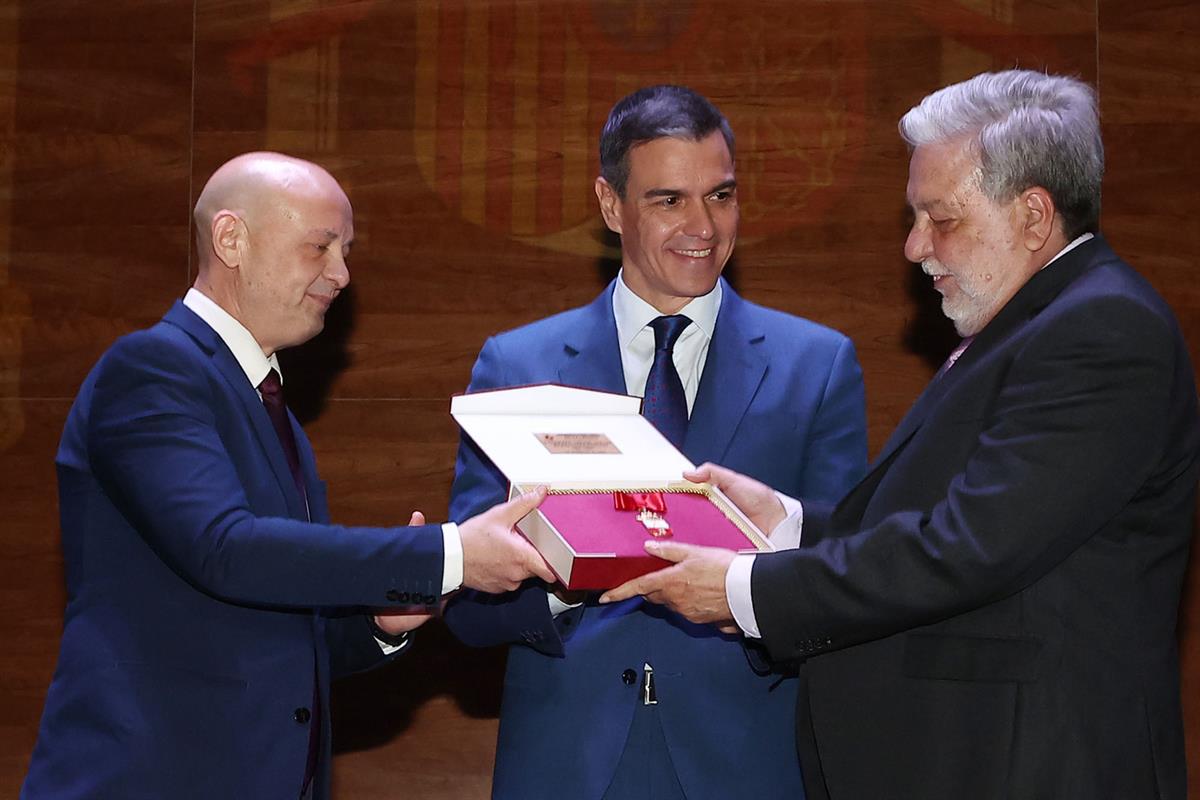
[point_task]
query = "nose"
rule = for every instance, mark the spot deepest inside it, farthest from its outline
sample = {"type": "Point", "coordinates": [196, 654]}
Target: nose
{"type": "Point", "coordinates": [699, 222]}
{"type": "Point", "coordinates": [337, 271]}
{"type": "Point", "coordinates": [919, 244]}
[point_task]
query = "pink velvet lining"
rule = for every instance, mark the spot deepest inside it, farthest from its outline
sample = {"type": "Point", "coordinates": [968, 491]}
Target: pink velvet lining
{"type": "Point", "coordinates": [591, 524]}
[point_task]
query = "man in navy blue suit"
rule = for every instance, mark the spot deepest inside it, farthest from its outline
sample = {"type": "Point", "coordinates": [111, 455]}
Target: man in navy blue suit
{"type": "Point", "coordinates": [634, 701]}
{"type": "Point", "coordinates": [209, 600]}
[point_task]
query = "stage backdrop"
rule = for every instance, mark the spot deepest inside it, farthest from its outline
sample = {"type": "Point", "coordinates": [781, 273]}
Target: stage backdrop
{"type": "Point", "coordinates": [465, 135]}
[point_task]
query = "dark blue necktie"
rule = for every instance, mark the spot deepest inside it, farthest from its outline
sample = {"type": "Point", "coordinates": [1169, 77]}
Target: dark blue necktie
{"type": "Point", "coordinates": [665, 404]}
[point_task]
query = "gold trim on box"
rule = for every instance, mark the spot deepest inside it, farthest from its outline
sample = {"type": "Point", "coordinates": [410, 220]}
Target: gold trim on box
{"type": "Point", "coordinates": [755, 538]}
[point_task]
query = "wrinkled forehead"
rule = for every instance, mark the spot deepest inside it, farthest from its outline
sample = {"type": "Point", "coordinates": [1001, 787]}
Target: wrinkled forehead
{"type": "Point", "coordinates": [942, 173]}
{"type": "Point", "coordinates": [314, 207]}
{"type": "Point", "coordinates": [681, 158]}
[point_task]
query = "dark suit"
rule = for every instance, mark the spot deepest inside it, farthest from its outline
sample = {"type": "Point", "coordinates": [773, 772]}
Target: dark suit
{"type": "Point", "coordinates": [191, 645]}
{"type": "Point", "coordinates": [780, 398]}
{"type": "Point", "coordinates": [991, 612]}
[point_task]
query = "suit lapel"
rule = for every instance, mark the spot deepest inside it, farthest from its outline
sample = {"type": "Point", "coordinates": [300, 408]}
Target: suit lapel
{"type": "Point", "coordinates": [591, 352]}
{"type": "Point", "coordinates": [256, 416]}
{"type": "Point", "coordinates": [733, 370]}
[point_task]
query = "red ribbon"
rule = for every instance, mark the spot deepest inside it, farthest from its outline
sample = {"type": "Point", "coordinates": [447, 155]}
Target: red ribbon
{"type": "Point", "coordinates": [640, 501]}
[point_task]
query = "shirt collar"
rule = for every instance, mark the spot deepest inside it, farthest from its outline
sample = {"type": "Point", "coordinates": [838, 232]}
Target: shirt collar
{"type": "Point", "coordinates": [240, 341]}
{"type": "Point", "coordinates": [632, 313]}
{"type": "Point", "coordinates": [1078, 240]}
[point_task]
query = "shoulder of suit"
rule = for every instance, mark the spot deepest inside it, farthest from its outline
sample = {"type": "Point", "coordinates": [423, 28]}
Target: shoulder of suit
{"type": "Point", "coordinates": [780, 323]}
{"type": "Point", "coordinates": [557, 326]}
{"type": "Point", "coordinates": [161, 346]}
{"type": "Point", "coordinates": [1113, 281]}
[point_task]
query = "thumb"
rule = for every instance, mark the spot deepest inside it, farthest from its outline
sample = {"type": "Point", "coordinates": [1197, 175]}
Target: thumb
{"type": "Point", "coordinates": [669, 551]}
{"type": "Point", "coordinates": [514, 510]}
{"type": "Point", "coordinates": [417, 518]}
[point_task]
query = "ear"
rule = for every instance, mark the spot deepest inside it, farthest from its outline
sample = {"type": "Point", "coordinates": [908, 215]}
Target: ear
{"type": "Point", "coordinates": [610, 205]}
{"type": "Point", "coordinates": [228, 238]}
{"type": "Point", "coordinates": [1039, 217]}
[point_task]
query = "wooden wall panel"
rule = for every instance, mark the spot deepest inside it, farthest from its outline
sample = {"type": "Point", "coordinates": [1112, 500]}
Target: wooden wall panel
{"type": "Point", "coordinates": [465, 134]}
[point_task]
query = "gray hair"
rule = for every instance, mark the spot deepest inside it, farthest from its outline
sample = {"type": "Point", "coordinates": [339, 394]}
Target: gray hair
{"type": "Point", "coordinates": [1028, 129]}
{"type": "Point", "coordinates": [651, 113]}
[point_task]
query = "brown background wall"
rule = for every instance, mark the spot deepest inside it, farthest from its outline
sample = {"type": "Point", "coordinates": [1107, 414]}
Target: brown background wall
{"type": "Point", "coordinates": [465, 135]}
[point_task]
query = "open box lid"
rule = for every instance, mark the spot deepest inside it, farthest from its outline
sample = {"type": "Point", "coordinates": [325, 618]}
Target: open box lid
{"type": "Point", "coordinates": [561, 435]}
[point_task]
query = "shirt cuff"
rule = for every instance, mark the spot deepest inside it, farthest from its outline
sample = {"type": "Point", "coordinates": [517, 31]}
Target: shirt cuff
{"type": "Point", "coordinates": [558, 606]}
{"type": "Point", "coordinates": [388, 649]}
{"type": "Point", "coordinates": [737, 593]}
{"type": "Point", "coordinates": [452, 558]}
{"type": "Point", "coordinates": [786, 535]}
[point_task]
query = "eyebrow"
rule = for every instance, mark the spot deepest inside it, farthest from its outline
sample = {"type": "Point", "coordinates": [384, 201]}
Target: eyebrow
{"type": "Point", "coordinates": [729, 184]}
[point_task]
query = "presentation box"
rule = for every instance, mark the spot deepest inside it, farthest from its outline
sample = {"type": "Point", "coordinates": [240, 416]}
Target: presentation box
{"type": "Point", "coordinates": [614, 481]}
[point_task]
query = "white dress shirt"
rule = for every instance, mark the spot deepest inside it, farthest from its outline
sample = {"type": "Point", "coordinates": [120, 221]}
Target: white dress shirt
{"type": "Point", "coordinates": [256, 365]}
{"type": "Point", "coordinates": [737, 578]}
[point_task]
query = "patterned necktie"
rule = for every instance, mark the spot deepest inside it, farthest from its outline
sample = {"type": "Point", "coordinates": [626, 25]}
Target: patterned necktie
{"type": "Point", "coordinates": [665, 404]}
{"type": "Point", "coordinates": [954, 356]}
{"type": "Point", "coordinates": [271, 389]}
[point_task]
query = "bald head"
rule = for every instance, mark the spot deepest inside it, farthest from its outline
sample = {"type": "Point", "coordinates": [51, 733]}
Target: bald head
{"type": "Point", "coordinates": [251, 185]}
{"type": "Point", "coordinates": [273, 233]}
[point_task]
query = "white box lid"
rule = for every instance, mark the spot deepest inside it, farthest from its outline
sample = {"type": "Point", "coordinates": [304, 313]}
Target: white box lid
{"type": "Point", "coordinates": [506, 424]}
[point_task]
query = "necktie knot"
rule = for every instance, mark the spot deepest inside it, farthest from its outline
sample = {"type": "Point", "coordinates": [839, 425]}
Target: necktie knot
{"type": "Point", "coordinates": [271, 389]}
{"type": "Point", "coordinates": [667, 330]}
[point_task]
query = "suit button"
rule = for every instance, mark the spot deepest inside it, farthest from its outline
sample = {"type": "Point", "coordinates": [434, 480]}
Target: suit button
{"type": "Point", "coordinates": [394, 596]}
{"type": "Point", "coordinates": [302, 715]}
{"type": "Point", "coordinates": [628, 677]}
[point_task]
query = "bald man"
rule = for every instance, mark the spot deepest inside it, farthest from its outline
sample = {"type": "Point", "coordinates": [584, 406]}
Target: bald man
{"type": "Point", "coordinates": [209, 599]}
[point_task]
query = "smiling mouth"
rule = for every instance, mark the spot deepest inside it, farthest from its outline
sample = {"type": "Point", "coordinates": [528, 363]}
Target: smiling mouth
{"type": "Point", "coordinates": [324, 300]}
{"type": "Point", "coordinates": [705, 253]}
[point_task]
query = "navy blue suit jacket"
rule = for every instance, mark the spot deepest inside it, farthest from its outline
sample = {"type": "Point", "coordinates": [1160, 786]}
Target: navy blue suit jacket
{"type": "Point", "coordinates": [202, 606]}
{"type": "Point", "coordinates": [781, 399]}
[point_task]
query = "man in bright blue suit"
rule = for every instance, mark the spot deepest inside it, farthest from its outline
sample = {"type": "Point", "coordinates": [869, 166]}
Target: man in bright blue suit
{"type": "Point", "coordinates": [633, 702]}
{"type": "Point", "coordinates": [208, 598]}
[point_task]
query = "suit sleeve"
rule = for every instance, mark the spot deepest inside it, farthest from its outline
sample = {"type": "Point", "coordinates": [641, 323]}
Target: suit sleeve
{"type": "Point", "coordinates": [1076, 428]}
{"type": "Point", "coordinates": [836, 452]}
{"type": "Point", "coordinates": [154, 445]}
{"type": "Point", "coordinates": [479, 619]}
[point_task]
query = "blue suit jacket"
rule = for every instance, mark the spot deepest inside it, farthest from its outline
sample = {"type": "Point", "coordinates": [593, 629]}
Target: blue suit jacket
{"type": "Point", "coordinates": [202, 607]}
{"type": "Point", "coordinates": [781, 399]}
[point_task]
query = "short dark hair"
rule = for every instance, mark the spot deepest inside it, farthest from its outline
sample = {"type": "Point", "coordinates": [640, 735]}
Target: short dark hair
{"type": "Point", "coordinates": [652, 113]}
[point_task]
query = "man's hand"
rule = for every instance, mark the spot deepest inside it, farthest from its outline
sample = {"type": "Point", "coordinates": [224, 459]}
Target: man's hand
{"type": "Point", "coordinates": [397, 622]}
{"type": "Point", "coordinates": [693, 587]}
{"type": "Point", "coordinates": [756, 500]}
{"type": "Point", "coordinates": [497, 558]}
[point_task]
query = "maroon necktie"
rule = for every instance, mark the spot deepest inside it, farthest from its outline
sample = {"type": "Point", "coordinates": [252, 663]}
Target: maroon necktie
{"type": "Point", "coordinates": [271, 389]}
